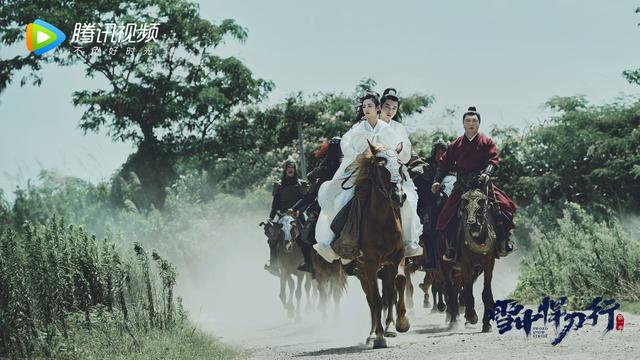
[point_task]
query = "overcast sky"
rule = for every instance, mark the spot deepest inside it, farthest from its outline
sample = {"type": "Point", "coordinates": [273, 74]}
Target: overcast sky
{"type": "Point", "coordinates": [505, 57]}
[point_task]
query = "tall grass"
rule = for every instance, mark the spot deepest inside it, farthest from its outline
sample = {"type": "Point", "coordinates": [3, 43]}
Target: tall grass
{"type": "Point", "coordinates": [581, 258]}
{"type": "Point", "coordinates": [57, 282]}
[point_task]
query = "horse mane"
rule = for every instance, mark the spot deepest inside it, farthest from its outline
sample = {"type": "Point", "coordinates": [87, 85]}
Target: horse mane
{"type": "Point", "coordinates": [364, 162]}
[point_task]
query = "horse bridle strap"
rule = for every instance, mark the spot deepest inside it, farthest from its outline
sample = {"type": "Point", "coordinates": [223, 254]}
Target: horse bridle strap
{"type": "Point", "coordinates": [384, 193]}
{"type": "Point", "coordinates": [347, 179]}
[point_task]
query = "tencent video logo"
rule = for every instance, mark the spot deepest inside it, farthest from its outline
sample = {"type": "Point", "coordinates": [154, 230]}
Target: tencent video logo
{"type": "Point", "coordinates": [42, 37]}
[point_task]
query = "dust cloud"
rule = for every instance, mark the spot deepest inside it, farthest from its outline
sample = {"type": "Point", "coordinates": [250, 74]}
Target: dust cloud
{"type": "Point", "coordinates": [227, 291]}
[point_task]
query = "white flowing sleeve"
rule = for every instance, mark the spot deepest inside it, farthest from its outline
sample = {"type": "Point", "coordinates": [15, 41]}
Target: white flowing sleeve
{"type": "Point", "coordinates": [390, 138]}
{"type": "Point", "coordinates": [405, 154]}
{"type": "Point", "coordinates": [347, 144]}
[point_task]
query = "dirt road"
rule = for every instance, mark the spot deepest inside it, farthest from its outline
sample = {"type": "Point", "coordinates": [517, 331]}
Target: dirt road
{"type": "Point", "coordinates": [234, 298]}
{"type": "Point", "coordinates": [265, 332]}
{"type": "Point", "coordinates": [430, 339]}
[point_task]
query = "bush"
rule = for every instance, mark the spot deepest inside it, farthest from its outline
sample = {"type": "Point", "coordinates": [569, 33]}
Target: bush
{"type": "Point", "coordinates": [581, 258]}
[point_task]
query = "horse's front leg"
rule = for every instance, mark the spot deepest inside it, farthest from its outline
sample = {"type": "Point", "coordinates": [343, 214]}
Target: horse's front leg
{"type": "Point", "coordinates": [451, 296]}
{"type": "Point", "coordinates": [402, 322]}
{"type": "Point", "coordinates": [441, 305]}
{"type": "Point", "coordinates": [307, 290]}
{"type": "Point", "coordinates": [369, 283]}
{"type": "Point", "coordinates": [409, 297]}
{"type": "Point", "coordinates": [283, 289]}
{"type": "Point", "coordinates": [323, 289]}
{"type": "Point", "coordinates": [426, 284]}
{"type": "Point", "coordinates": [388, 297]}
{"type": "Point", "coordinates": [469, 302]}
{"type": "Point", "coordinates": [487, 296]}
{"type": "Point", "coordinates": [300, 278]}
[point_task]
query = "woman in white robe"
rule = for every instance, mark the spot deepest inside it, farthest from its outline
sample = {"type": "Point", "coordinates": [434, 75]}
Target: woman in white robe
{"type": "Point", "coordinates": [331, 196]}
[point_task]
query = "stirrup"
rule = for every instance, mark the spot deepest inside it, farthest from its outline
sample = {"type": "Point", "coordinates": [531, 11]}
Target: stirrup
{"type": "Point", "coordinates": [506, 251]}
{"type": "Point", "coordinates": [454, 264]}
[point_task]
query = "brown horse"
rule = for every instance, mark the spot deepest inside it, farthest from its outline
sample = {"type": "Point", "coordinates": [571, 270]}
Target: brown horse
{"type": "Point", "coordinates": [476, 251]}
{"type": "Point", "coordinates": [289, 257]}
{"type": "Point", "coordinates": [434, 282]}
{"type": "Point", "coordinates": [379, 187]}
{"type": "Point", "coordinates": [331, 281]}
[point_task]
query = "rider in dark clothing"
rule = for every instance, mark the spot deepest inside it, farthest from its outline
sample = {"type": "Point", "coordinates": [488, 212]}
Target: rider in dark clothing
{"type": "Point", "coordinates": [429, 204]}
{"type": "Point", "coordinates": [330, 154]}
{"type": "Point", "coordinates": [286, 192]}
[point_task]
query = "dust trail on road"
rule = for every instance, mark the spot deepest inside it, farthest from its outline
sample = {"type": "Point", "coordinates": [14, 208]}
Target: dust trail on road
{"type": "Point", "coordinates": [232, 296]}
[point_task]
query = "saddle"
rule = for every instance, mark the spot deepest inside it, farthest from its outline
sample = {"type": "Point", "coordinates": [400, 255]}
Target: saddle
{"type": "Point", "coordinates": [347, 245]}
{"type": "Point", "coordinates": [346, 225]}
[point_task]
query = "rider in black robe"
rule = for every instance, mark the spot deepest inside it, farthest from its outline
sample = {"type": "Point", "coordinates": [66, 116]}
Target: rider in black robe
{"type": "Point", "coordinates": [330, 154]}
{"type": "Point", "coordinates": [286, 192]}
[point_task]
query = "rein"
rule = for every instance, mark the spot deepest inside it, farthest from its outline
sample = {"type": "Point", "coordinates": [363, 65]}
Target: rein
{"type": "Point", "coordinates": [384, 193]}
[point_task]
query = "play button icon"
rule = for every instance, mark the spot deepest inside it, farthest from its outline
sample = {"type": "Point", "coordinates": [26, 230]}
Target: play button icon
{"type": "Point", "coordinates": [42, 37]}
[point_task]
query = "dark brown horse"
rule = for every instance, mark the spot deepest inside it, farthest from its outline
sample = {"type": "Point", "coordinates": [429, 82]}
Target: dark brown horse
{"type": "Point", "coordinates": [289, 257]}
{"type": "Point", "coordinates": [379, 188]}
{"type": "Point", "coordinates": [331, 281]}
{"type": "Point", "coordinates": [434, 282]}
{"type": "Point", "coordinates": [476, 251]}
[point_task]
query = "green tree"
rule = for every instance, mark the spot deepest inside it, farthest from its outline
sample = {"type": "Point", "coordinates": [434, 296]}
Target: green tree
{"type": "Point", "coordinates": [585, 154]}
{"type": "Point", "coordinates": [271, 134]}
{"type": "Point", "coordinates": [167, 96]}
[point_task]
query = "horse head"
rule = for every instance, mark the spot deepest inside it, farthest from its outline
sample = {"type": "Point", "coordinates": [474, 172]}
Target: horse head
{"type": "Point", "coordinates": [476, 218]}
{"type": "Point", "coordinates": [386, 174]}
{"type": "Point", "coordinates": [290, 231]}
{"type": "Point", "coordinates": [473, 210]}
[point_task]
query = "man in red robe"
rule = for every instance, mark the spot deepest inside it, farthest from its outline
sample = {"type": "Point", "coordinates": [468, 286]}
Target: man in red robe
{"type": "Point", "coordinates": [472, 154]}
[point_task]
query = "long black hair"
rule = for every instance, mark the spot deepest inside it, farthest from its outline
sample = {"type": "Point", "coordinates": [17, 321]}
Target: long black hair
{"type": "Point", "coordinates": [370, 95]}
{"type": "Point", "coordinates": [390, 94]}
{"type": "Point", "coordinates": [289, 180]}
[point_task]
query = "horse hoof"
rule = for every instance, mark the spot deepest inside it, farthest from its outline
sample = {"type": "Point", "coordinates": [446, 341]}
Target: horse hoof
{"type": "Point", "coordinates": [426, 304]}
{"type": "Point", "coordinates": [402, 325]}
{"type": "Point", "coordinates": [380, 343]}
{"type": "Point", "coordinates": [486, 328]}
{"type": "Point", "coordinates": [453, 326]}
{"type": "Point", "coordinates": [390, 334]}
{"type": "Point", "coordinates": [442, 307]}
{"type": "Point", "coordinates": [472, 318]}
